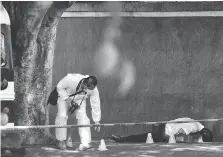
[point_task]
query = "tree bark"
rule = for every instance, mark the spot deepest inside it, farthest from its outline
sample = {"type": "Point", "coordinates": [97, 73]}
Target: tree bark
{"type": "Point", "coordinates": [34, 26]}
{"type": "Point", "coordinates": [26, 52]}
{"type": "Point", "coordinates": [44, 60]}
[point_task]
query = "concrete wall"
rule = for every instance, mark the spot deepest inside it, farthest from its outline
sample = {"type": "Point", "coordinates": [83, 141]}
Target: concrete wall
{"type": "Point", "coordinates": [179, 67]}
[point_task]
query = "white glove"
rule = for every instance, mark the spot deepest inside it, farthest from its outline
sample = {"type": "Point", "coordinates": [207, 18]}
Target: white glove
{"type": "Point", "coordinates": [97, 128]}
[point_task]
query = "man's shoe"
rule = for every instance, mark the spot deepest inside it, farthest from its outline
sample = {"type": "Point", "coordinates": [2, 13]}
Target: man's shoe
{"type": "Point", "coordinates": [61, 145]}
{"type": "Point", "coordinates": [69, 142]}
{"type": "Point", "coordinates": [116, 138]}
{"type": "Point", "coordinates": [83, 147]}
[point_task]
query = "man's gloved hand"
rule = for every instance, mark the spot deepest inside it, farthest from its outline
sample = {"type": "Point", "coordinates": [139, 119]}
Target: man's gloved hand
{"type": "Point", "coordinates": [97, 128]}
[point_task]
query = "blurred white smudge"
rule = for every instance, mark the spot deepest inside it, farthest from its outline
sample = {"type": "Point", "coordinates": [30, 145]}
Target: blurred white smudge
{"type": "Point", "coordinates": [108, 60]}
{"type": "Point", "coordinates": [128, 77]}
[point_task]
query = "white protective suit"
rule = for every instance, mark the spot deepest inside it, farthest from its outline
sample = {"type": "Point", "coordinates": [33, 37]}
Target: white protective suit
{"type": "Point", "coordinates": [66, 87]}
{"type": "Point", "coordinates": [174, 128]}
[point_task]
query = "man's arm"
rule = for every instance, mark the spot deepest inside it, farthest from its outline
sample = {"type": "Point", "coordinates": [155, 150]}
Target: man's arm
{"type": "Point", "coordinates": [95, 105]}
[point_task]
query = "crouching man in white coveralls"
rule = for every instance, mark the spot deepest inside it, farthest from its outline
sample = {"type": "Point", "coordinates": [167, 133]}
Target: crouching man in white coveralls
{"type": "Point", "coordinates": [71, 84]}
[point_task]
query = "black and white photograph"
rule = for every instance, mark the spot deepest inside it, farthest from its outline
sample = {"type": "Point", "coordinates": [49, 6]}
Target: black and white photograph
{"type": "Point", "coordinates": [111, 78]}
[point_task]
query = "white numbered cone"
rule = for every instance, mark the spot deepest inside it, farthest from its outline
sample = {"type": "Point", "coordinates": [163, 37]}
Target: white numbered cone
{"type": "Point", "coordinates": [172, 139]}
{"type": "Point", "coordinates": [102, 146]}
{"type": "Point", "coordinates": [149, 138]}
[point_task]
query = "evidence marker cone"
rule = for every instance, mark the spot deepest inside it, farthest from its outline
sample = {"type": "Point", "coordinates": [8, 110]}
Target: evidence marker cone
{"type": "Point", "coordinates": [102, 146]}
{"type": "Point", "coordinates": [200, 140]}
{"type": "Point", "coordinates": [172, 139]}
{"type": "Point", "coordinates": [149, 138]}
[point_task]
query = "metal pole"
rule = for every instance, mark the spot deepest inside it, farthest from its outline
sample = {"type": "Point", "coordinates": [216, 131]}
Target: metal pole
{"type": "Point", "coordinates": [103, 125]}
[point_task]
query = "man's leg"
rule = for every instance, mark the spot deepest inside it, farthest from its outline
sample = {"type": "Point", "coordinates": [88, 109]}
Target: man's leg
{"type": "Point", "coordinates": [61, 119]}
{"type": "Point", "coordinates": [132, 138]}
{"type": "Point", "coordinates": [84, 132]}
{"type": "Point", "coordinates": [69, 142]}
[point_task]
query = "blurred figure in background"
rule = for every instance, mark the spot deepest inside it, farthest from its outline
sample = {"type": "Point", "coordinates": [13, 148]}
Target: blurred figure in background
{"type": "Point", "coordinates": [4, 116]}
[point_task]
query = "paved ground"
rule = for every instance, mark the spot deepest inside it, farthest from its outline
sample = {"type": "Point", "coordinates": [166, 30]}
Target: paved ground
{"type": "Point", "coordinates": [132, 150]}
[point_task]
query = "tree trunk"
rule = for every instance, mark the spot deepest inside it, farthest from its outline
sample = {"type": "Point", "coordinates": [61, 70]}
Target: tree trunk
{"type": "Point", "coordinates": [44, 60]}
{"type": "Point", "coordinates": [26, 100]}
{"type": "Point", "coordinates": [34, 45]}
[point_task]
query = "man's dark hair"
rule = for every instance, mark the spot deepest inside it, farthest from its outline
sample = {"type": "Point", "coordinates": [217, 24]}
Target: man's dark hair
{"type": "Point", "coordinates": [207, 135]}
{"type": "Point", "coordinates": [91, 80]}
